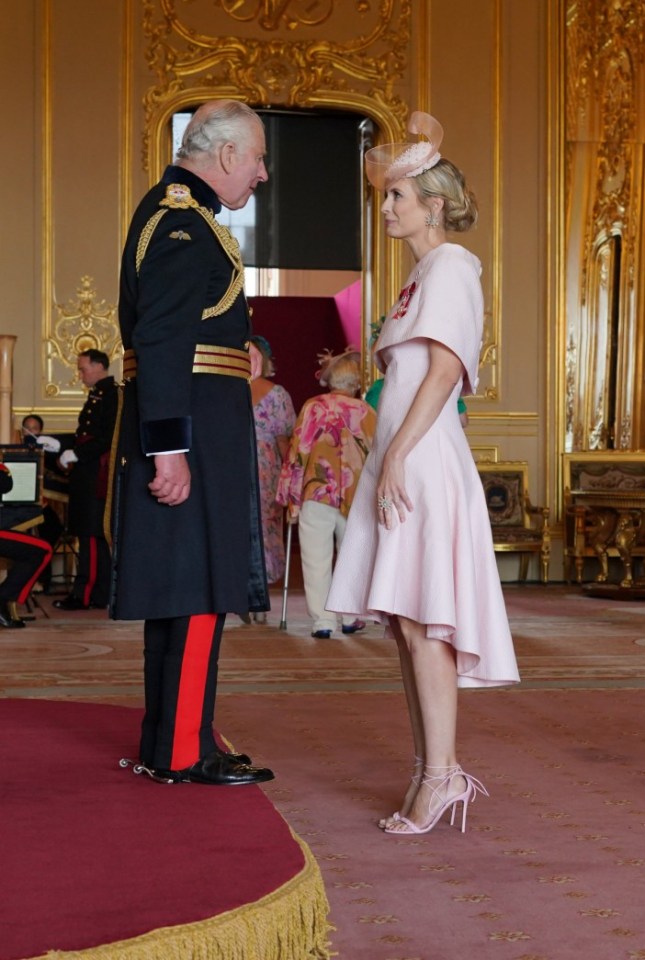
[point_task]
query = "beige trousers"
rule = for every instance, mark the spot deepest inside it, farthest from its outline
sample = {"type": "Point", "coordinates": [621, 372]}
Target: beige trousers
{"type": "Point", "coordinates": [319, 528]}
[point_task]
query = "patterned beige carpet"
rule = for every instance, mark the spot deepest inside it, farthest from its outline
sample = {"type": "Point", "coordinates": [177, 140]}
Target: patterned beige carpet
{"type": "Point", "coordinates": [562, 638]}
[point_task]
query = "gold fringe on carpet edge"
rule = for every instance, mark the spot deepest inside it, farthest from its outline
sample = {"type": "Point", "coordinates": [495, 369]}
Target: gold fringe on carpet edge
{"type": "Point", "coordinates": [288, 924]}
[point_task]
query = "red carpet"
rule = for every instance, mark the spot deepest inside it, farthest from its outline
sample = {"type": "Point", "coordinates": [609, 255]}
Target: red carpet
{"type": "Point", "coordinates": [92, 854]}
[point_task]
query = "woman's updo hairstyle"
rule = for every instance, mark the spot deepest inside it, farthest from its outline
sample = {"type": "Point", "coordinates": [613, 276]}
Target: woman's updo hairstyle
{"type": "Point", "coordinates": [445, 180]}
{"type": "Point", "coordinates": [340, 372]}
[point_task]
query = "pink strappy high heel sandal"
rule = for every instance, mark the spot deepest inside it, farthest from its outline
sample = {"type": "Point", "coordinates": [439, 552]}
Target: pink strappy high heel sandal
{"type": "Point", "coordinates": [440, 785]}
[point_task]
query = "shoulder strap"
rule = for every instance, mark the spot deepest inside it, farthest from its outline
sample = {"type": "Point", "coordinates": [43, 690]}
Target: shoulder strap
{"type": "Point", "coordinates": [179, 197]}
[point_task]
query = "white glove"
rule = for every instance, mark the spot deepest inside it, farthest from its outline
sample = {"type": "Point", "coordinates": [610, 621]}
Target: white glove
{"type": "Point", "coordinates": [49, 444]}
{"type": "Point", "coordinates": [67, 457]}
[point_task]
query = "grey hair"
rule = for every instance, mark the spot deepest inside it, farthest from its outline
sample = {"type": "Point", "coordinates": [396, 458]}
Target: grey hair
{"type": "Point", "coordinates": [445, 180]}
{"type": "Point", "coordinates": [214, 124]}
{"type": "Point", "coordinates": [345, 375]}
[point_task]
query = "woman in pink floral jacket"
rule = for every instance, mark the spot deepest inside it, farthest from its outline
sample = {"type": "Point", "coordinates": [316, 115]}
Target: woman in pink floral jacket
{"type": "Point", "coordinates": [329, 445]}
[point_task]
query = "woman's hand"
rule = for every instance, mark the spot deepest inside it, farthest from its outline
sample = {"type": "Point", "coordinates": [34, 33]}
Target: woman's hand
{"type": "Point", "coordinates": [391, 494]}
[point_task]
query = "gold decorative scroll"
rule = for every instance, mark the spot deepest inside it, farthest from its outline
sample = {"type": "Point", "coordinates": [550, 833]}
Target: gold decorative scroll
{"type": "Point", "coordinates": [82, 324]}
{"type": "Point", "coordinates": [359, 73]}
{"type": "Point", "coordinates": [271, 14]}
{"type": "Point", "coordinates": [488, 355]}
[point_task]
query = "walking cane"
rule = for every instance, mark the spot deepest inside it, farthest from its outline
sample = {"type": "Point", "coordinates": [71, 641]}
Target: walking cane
{"type": "Point", "coordinates": [285, 588]}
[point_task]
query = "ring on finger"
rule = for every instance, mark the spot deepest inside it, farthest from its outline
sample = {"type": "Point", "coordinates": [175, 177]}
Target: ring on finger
{"type": "Point", "coordinates": [384, 503]}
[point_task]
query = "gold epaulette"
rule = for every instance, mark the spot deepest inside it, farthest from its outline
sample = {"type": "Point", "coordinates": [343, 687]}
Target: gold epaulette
{"type": "Point", "coordinates": [178, 197]}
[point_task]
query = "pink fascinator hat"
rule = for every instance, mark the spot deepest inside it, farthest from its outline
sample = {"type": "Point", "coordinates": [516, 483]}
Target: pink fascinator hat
{"type": "Point", "coordinates": [393, 161]}
{"type": "Point", "coordinates": [328, 361]}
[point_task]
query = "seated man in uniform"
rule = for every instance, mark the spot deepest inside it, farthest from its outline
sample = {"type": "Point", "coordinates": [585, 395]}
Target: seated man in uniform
{"type": "Point", "coordinates": [28, 555]}
{"type": "Point", "coordinates": [51, 527]}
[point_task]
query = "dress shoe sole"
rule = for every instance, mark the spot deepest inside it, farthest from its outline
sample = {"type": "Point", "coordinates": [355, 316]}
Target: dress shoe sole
{"type": "Point", "coordinates": [183, 776]}
{"type": "Point", "coordinates": [263, 778]}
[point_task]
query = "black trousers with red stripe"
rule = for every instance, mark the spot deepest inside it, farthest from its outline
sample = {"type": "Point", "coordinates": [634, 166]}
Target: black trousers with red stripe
{"type": "Point", "coordinates": [92, 580]}
{"type": "Point", "coordinates": [29, 556]}
{"type": "Point", "coordinates": [180, 676]}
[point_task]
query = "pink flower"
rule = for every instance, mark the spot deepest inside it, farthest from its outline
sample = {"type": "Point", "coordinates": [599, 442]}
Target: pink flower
{"type": "Point", "coordinates": [404, 301]}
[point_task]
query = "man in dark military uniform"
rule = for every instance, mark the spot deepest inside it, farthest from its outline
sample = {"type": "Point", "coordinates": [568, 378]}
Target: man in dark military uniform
{"type": "Point", "coordinates": [28, 555]}
{"type": "Point", "coordinates": [88, 460]}
{"type": "Point", "coordinates": [187, 537]}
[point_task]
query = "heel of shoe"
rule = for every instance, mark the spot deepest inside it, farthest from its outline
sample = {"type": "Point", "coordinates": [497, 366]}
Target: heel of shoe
{"type": "Point", "coordinates": [464, 811]}
{"type": "Point", "coordinates": [473, 787]}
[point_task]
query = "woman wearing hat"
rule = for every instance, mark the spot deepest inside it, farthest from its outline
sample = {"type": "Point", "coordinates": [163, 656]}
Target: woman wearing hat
{"type": "Point", "coordinates": [418, 551]}
{"type": "Point", "coordinates": [331, 439]}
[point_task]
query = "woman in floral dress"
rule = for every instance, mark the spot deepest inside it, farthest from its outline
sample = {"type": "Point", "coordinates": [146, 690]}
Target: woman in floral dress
{"type": "Point", "coordinates": [274, 420]}
{"type": "Point", "coordinates": [330, 442]}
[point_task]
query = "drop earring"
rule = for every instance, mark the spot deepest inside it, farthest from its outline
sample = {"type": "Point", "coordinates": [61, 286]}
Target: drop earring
{"type": "Point", "coordinates": [432, 220]}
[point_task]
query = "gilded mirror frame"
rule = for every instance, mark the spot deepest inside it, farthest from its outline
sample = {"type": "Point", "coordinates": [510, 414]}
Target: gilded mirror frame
{"type": "Point", "coordinates": [268, 68]}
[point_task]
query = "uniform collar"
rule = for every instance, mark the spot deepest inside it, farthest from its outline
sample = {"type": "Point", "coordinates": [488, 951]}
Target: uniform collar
{"type": "Point", "coordinates": [201, 191]}
{"type": "Point", "coordinates": [103, 382]}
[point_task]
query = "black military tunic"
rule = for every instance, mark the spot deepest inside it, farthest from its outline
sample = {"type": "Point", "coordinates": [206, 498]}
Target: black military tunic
{"type": "Point", "coordinates": [180, 287]}
{"type": "Point", "coordinates": [92, 442]}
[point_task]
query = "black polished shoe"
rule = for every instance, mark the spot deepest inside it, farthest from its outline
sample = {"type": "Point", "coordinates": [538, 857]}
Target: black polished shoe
{"type": "Point", "coordinates": [235, 757]}
{"type": "Point", "coordinates": [217, 770]}
{"type": "Point", "coordinates": [321, 634]}
{"type": "Point", "coordinates": [6, 620]}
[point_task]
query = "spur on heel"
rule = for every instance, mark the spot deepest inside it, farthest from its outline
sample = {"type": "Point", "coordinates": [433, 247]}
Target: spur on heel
{"type": "Point", "coordinates": [440, 787]}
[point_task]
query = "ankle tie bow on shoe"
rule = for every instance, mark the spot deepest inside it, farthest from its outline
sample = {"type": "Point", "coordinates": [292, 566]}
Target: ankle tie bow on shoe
{"type": "Point", "coordinates": [406, 827]}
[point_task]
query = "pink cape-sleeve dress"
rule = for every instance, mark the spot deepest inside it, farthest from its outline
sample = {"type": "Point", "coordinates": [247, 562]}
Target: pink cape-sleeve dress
{"type": "Point", "coordinates": [438, 567]}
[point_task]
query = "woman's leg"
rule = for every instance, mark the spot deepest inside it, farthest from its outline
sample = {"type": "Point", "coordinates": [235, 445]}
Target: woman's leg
{"type": "Point", "coordinates": [434, 679]}
{"type": "Point", "coordinates": [416, 723]}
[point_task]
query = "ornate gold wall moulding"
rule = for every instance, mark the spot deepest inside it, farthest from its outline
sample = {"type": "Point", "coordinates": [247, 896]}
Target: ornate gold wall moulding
{"type": "Point", "coordinates": [488, 359]}
{"type": "Point", "coordinates": [605, 130]}
{"type": "Point", "coordinates": [191, 65]}
{"type": "Point", "coordinates": [605, 46]}
{"type": "Point", "coordinates": [82, 324]}
{"type": "Point", "coordinates": [625, 436]}
{"type": "Point", "coordinates": [482, 454]}
{"type": "Point", "coordinates": [272, 14]}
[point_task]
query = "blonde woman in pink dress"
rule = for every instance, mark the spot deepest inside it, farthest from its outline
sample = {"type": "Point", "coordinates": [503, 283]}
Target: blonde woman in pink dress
{"type": "Point", "coordinates": [417, 553]}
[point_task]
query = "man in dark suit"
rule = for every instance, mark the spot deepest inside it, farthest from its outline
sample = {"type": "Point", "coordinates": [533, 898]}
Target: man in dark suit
{"type": "Point", "coordinates": [187, 541]}
{"type": "Point", "coordinates": [88, 461]}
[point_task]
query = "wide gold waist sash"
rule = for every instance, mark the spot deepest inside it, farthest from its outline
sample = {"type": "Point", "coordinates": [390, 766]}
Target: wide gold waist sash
{"type": "Point", "coordinates": [225, 361]}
